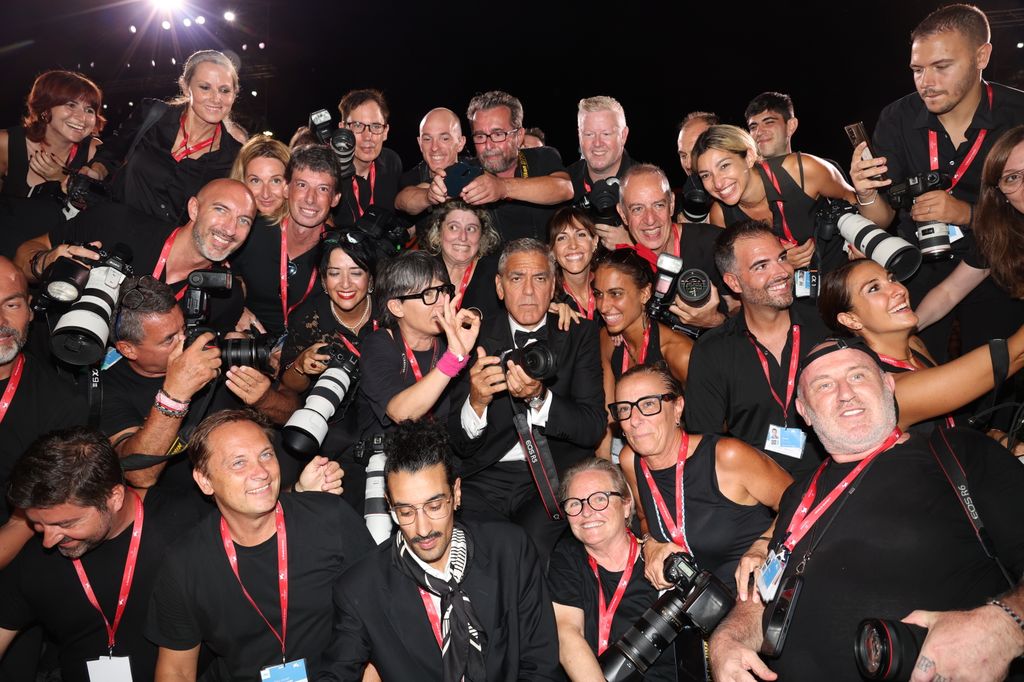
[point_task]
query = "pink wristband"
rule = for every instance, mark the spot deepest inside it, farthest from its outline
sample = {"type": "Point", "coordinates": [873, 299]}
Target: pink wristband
{"type": "Point", "coordinates": [450, 364]}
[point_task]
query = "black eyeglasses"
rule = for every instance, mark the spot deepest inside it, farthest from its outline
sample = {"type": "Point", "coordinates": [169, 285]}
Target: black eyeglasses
{"type": "Point", "coordinates": [496, 136]}
{"type": "Point", "coordinates": [358, 127]}
{"type": "Point", "coordinates": [649, 405]}
{"type": "Point", "coordinates": [598, 501]}
{"type": "Point", "coordinates": [429, 295]}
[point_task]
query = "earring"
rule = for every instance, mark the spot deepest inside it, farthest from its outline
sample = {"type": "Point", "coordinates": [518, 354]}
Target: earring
{"type": "Point", "coordinates": [45, 116]}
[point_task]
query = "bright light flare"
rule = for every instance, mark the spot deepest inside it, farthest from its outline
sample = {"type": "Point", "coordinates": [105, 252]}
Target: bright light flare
{"type": "Point", "coordinates": [229, 16]}
{"type": "Point", "coordinates": [167, 5]}
{"type": "Point", "coordinates": [200, 20]}
{"type": "Point", "coordinates": [165, 25]}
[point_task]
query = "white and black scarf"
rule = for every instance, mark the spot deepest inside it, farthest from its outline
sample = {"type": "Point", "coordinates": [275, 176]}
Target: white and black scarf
{"type": "Point", "coordinates": [462, 636]}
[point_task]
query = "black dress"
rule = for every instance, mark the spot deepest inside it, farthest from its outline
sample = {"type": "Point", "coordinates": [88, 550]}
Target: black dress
{"type": "Point", "coordinates": [16, 180]}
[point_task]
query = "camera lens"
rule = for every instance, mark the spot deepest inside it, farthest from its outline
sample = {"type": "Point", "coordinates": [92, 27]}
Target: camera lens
{"type": "Point", "coordinates": [694, 287]}
{"type": "Point", "coordinates": [887, 649]}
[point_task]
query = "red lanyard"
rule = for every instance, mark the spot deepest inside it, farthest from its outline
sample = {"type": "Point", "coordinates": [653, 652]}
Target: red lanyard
{"type": "Point", "coordinates": [126, 577]}
{"type": "Point", "coordinates": [282, 571]}
{"type": "Point", "coordinates": [71, 154]}
{"type": "Point", "coordinates": [435, 620]}
{"type": "Point", "coordinates": [605, 615]}
{"type": "Point", "coordinates": [789, 240]}
{"type": "Point", "coordinates": [355, 187]}
{"type": "Point", "coordinates": [794, 361]}
{"type": "Point", "coordinates": [185, 150]}
{"type": "Point", "coordinates": [588, 310]}
{"type": "Point", "coordinates": [161, 262]}
{"type": "Point", "coordinates": [804, 517]}
{"type": "Point", "coordinates": [676, 526]}
{"type": "Point", "coordinates": [903, 364]}
{"type": "Point", "coordinates": [586, 186]}
{"type": "Point", "coordinates": [643, 349]}
{"type": "Point", "coordinates": [285, 308]}
{"type": "Point", "coordinates": [678, 231]}
{"type": "Point", "coordinates": [412, 360]}
{"type": "Point", "coordinates": [466, 276]}
{"type": "Point", "coordinates": [933, 148]}
{"type": "Point", "coordinates": [12, 385]}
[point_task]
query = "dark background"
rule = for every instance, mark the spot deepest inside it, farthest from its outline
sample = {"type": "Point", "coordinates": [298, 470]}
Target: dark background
{"type": "Point", "coordinates": [840, 62]}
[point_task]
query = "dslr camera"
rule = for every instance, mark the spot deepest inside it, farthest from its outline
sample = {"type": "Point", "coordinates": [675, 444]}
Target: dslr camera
{"type": "Point", "coordinates": [692, 285]}
{"type": "Point", "coordinates": [332, 393]}
{"type": "Point", "coordinates": [601, 201]}
{"type": "Point", "coordinates": [385, 228]}
{"type": "Point", "coordinates": [836, 217]}
{"type": "Point", "coordinates": [536, 359]}
{"type": "Point", "coordinates": [341, 140]}
{"type": "Point", "coordinates": [932, 236]}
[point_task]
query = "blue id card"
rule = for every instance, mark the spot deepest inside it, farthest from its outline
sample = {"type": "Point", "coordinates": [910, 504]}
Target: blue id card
{"type": "Point", "coordinates": [770, 576]}
{"type": "Point", "coordinates": [785, 441]}
{"type": "Point", "coordinates": [292, 671]}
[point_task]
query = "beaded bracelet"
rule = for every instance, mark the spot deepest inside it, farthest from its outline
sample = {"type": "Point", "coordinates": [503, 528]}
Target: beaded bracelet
{"type": "Point", "coordinates": [1010, 612]}
{"type": "Point", "coordinates": [167, 412]}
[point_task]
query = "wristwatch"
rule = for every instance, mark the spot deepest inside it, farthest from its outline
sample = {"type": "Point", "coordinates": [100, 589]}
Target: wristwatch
{"type": "Point", "coordinates": [536, 401]}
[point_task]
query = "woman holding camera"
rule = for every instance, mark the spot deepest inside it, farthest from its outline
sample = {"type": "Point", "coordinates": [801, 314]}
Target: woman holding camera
{"type": "Point", "coordinates": [465, 239]}
{"type": "Point", "coordinates": [862, 299]}
{"type": "Point", "coordinates": [57, 135]}
{"type": "Point", "coordinates": [596, 577]}
{"type": "Point", "coordinates": [710, 496]}
{"type": "Point", "coordinates": [574, 241]}
{"type": "Point", "coordinates": [167, 151]}
{"type": "Point", "coordinates": [260, 165]}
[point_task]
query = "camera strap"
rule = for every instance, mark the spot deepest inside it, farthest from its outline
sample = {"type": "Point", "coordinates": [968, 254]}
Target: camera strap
{"type": "Point", "coordinates": [539, 459]}
{"type": "Point", "coordinates": [933, 149]}
{"type": "Point", "coordinates": [954, 472]}
{"type": "Point", "coordinates": [95, 397]}
{"type": "Point", "coordinates": [1000, 355]}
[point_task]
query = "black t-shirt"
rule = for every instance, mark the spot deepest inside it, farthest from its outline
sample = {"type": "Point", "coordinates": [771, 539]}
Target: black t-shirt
{"type": "Point", "coordinates": [111, 224]}
{"type": "Point", "coordinates": [901, 541]}
{"type": "Point", "coordinates": [901, 136]}
{"type": "Point", "coordinates": [726, 386]}
{"type": "Point", "coordinates": [572, 583]}
{"type": "Point", "coordinates": [386, 173]}
{"type": "Point", "coordinates": [198, 599]}
{"type": "Point", "coordinates": [258, 263]}
{"type": "Point", "coordinates": [43, 402]}
{"type": "Point", "coordinates": [581, 180]}
{"type": "Point", "coordinates": [41, 586]}
{"type": "Point", "coordinates": [150, 179]}
{"type": "Point", "coordinates": [515, 219]}
{"type": "Point", "coordinates": [386, 372]}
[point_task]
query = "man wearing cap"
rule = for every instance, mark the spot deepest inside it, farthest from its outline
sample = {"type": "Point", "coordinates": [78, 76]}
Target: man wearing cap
{"type": "Point", "coordinates": [878, 531]}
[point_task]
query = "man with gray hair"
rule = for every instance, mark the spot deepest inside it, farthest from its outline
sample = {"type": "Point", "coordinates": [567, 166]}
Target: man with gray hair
{"type": "Point", "coordinates": [519, 427]}
{"type": "Point", "coordinates": [520, 186]}
{"type": "Point", "coordinates": [441, 141]}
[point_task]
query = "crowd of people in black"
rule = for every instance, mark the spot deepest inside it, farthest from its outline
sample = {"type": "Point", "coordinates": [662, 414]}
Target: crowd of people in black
{"type": "Point", "coordinates": [290, 412]}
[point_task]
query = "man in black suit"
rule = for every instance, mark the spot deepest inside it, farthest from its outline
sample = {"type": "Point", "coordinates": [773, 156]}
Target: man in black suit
{"type": "Point", "coordinates": [503, 468]}
{"type": "Point", "coordinates": [441, 600]}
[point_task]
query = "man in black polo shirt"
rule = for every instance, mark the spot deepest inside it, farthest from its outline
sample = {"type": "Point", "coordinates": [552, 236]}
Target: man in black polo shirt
{"type": "Point", "coordinates": [948, 125]}
{"type": "Point", "coordinates": [520, 186]}
{"type": "Point", "coordinates": [220, 217]}
{"type": "Point", "coordinates": [743, 373]}
{"type": "Point", "coordinates": [441, 141]}
{"type": "Point", "coordinates": [253, 580]}
{"type": "Point", "coordinates": [375, 183]}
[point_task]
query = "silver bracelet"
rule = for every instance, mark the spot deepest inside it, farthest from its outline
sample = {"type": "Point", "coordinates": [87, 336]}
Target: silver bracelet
{"type": "Point", "coordinates": [866, 203]}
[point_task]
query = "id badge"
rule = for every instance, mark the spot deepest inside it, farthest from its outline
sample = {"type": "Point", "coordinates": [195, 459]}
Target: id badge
{"type": "Point", "coordinates": [955, 233]}
{"type": "Point", "coordinates": [109, 669]}
{"type": "Point", "coordinates": [292, 671]}
{"type": "Point", "coordinates": [770, 576]}
{"type": "Point", "coordinates": [786, 441]}
{"type": "Point", "coordinates": [805, 283]}
{"type": "Point", "coordinates": [110, 359]}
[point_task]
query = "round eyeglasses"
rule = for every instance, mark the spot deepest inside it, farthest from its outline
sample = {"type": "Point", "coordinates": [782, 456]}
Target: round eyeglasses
{"type": "Point", "coordinates": [598, 501]}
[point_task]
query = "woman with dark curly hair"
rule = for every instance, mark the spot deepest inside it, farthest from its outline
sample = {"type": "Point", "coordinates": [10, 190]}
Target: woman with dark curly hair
{"type": "Point", "coordinates": [57, 133]}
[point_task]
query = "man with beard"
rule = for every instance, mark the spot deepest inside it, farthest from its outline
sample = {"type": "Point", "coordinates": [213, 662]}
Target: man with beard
{"type": "Point", "coordinates": [743, 373]}
{"type": "Point", "coordinates": [948, 125]}
{"type": "Point", "coordinates": [520, 186]}
{"type": "Point", "coordinates": [880, 531]}
{"type": "Point", "coordinates": [220, 218]}
{"type": "Point", "coordinates": [441, 599]}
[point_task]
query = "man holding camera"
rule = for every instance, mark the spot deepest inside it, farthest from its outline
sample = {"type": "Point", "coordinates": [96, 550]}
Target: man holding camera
{"type": "Point", "coordinates": [520, 186]}
{"type": "Point", "coordinates": [220, 218]}
{"type": "Point", "coordinates": [442, 599]}
{"type": "Point", "coordinates": [516, 431]}
{"type": "Point", "coordinates": [882, 528]}
{"type": "Point", "coordinates": [375, 183]}
{"type": "Point", "coordinates": [253, 580]}
{"type": "Point", "coordinates": [601, 124]}
{"type": "Point", "coordinates": [949, 125]}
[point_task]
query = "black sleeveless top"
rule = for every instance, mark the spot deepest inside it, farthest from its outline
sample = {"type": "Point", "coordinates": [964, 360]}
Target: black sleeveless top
{"type": "Point", "coordinates": [653, 351]}
{"type": "Point", "coordinates": [16, 180]}
{"type": "Point", "coordinates": [922, 428]}
{"type": "Point", "coordinates": [717, 529]}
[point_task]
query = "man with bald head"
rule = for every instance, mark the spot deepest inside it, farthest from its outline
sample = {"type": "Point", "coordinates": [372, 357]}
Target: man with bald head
{"type": "Point", "coordinates": [879, 531]}
{"type": "Point", "coordinates": [441, 141]}
{"type": "Point", "coordinates": [220, 217]}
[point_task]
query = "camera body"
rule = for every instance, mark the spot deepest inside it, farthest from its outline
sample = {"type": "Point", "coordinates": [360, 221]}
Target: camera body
{"type": "Point", "coordinates": [332, 393]}
{"type": "Point", "coordinates": [932, 235]}
{"type": "Point", "coordinates": [835, 217]}
{"type": "Point", "coordinates": [692, 285]}
{"type": "Point", "coordinates": [341, 140]}
{"type": "Point", "coordinates": [536, 359]}
{"type": "Point", "coordinates": [601, 202]}
{"type": "Point", "coordinates": [458, 175]}
{"type": "Point", "coordinates": [385, 228]}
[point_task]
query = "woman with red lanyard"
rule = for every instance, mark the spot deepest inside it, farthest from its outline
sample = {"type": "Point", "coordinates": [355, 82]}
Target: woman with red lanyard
{"type": "Point", "coordinates": [465, 239]}
{"type": "Point", "coordinates": [781, 191]}
{"type": "Point", "coordinates": [574, 241]}
{"type": "Point", "coordinates": [56, 134]}
{"type": "Point", "coordinates": [596, 577]}
{"type": "Point", "coordinates": [863, 299]}
{"type": "Point", "coordinates": [710, 496]}
{"type": "Point", "coordinates": [167, 151]}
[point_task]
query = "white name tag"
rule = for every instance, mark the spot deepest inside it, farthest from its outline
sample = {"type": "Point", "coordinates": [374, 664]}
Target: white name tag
{"type": "Point", "coordinates": [109, 669]}
{"type": "Point", "coordinates": [955, 233]}
{"type": "Point", "coordinates": [292, 671]}
{"type": "Point", "coordinates": [785, 441]}
{"type": "Point", "coordinates": [770, 575]}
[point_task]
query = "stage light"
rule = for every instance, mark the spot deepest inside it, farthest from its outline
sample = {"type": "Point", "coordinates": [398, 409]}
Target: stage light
{"type": "Point", "coordinates": [229, 16]}
{"type": "Point", "coordinates": [128, 65]}
{"type": "Point", "coordinates": [268, 133]}
{"type": "Point", "coordinates": [253, 93]}
{"type": "Point", "coordinates": [166, 25]}
{"type": "Point", "coordinates": [200, 20]}
{"type": "Point", "coordinates": [152, 62]}
{"type": "Point", "coordinates": [92, 65]}
{"type": "Point", "coordinates": [132, 28]}
{"type": "Point", "coordinates": [166, 5]}
{"type": "Point", "coordinates": [262, 45]}
{"type": "Point", "coordinates": [131, 104]}
{"type": "Point", "coordinates": [173, 61]}
{"type": "Point", "coordinates": [187, 22]}
{"type": "Point", "coordinates": [1020, 45]}
{"type": "Point", "coordinates": [244, 47]}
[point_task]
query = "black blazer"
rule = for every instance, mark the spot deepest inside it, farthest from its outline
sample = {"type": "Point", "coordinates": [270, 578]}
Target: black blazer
{"type": "Point", "coordinates": [379, 615]}
{"type": "Point", "coordinates": [577, 420]}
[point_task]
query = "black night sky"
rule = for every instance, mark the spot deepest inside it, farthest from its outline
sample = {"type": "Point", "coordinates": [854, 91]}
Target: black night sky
{"type": "Point", "coordinates": [841, 63]}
